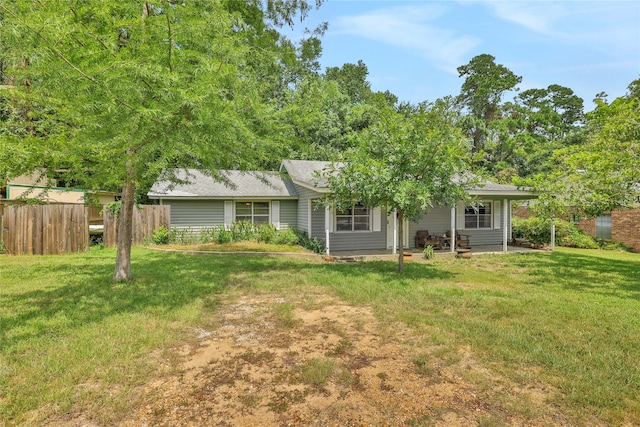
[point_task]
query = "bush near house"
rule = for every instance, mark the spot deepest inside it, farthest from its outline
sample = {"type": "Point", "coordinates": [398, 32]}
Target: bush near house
{"type": "Point", "coordinates": [538, 231]}
{"type": "Point", "coordinates": [242, 231]}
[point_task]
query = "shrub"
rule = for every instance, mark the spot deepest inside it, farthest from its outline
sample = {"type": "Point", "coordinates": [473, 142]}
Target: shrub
{"type": "Point", "coordinates": [611, 245]}
{"type": "Point", "coordinates": [313, 244]}
{"type": "Point", "coordinates": [428, 253]}
{"type": "Point", "coordinates": [538, 231]}
{"type": "Point", "coordinates": [223, 236]}
{"type": "Point", "coordinates": [242, 231]}
{"type": "Point", "coordinates": [160, 235]}
{"type": "Point", "coordinates": [286, 237]}
{"type": "Point", "coordinates": [266, 233]}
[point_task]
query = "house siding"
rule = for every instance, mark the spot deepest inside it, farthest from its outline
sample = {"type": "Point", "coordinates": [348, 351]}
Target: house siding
{"type": "Point", "coordinates": [438, 221]}
{"type": "Point", "coordinates": [196, 213]}
{"type": "Point", "coordinates": [288, 214]}
{"type": "Point", "coordinates": [486, 236]}
{"type": "Point", "coordinates": [302, 220]}
{"type": "Point", "coordinates": [346, 241]}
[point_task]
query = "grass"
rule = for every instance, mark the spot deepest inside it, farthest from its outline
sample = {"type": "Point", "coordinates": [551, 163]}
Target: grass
{"type": "Point", "coordinates": [244, 246]}
{"type": "Point", "coordinates": [70, 340]}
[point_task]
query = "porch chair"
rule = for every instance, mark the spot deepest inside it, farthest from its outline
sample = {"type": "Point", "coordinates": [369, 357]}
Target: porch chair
{"type": "Point", "coordinates": [424, 239]}
{"type": "Point", "coordinates": [462, 240]}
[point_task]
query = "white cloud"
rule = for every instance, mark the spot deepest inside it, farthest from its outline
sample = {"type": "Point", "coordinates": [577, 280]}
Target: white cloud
{"type": "Point", "coordinates": [600, 25]}
{"type": "Point", "coordinates": [411, 28]}
{"type": "Point", "coordinates": [539, 16]}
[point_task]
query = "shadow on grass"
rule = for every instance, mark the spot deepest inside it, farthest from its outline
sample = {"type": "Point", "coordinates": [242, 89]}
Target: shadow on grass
{"type": "Point", "coordinates": [606, 275]}
{"type": "Point", "coordinates": [73, 291]}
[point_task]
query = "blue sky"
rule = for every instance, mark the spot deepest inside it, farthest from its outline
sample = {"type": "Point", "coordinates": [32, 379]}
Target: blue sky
{"type": "Point", "coordinates": [412, 48]}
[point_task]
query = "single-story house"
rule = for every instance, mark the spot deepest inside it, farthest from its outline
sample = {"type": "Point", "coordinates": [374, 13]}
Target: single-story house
{"type": "Point", "coordinates": [290, 199]}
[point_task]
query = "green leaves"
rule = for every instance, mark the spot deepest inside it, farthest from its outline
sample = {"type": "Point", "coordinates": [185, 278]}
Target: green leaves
{"type": "Point", "coordinates": [603, 174]}
{"type": "Point", "coordinates": [409, 161]}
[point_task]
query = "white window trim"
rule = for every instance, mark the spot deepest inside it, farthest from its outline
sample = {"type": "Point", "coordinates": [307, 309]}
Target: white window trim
{"type": "Point", "coordinates": [235, 202]}
{"type": "Point", "coordinates": [335, 222]}
{"type": "Point", "coordinates": [463, 207]}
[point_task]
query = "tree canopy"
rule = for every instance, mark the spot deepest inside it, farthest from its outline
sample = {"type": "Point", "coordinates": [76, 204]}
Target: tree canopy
{"type": "Point", "coordinates": [602, 174]}
{"type": "Point", "coordinates": [409, 160]}
{"type": "Point", "coordinates": [117, 92]}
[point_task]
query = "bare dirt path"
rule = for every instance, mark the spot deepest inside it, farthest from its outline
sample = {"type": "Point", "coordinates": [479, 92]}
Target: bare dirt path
{"type": "Point", "coordinates": [316, 361]}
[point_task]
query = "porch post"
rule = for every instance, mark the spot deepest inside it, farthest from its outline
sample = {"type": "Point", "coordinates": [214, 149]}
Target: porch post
{"type": "Point", "coordinates": [452, 242]}
{"type": "Point", "coordinates": [394, 249]}
{"type": "Point", "coordinates": [506, 225]}
{"type": "Point", "coordinates": [553, 233]}
{"type": "Point", "coordinates": [327, 221]}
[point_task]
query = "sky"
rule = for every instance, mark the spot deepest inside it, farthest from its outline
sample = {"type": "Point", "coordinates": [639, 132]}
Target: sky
{"type": "Point", "coordinates": [413, 48]}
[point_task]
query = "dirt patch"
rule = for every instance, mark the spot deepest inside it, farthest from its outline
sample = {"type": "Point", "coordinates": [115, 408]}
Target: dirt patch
{"type": "Point", "coordinates": [320, 362]}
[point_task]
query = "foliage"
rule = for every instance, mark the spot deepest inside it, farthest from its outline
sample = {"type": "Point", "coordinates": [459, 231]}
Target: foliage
{"type": "Point", "coordinates": [113, 208]}
{"type": "Point", "coordinates": [242, 232]}
{"type": "Point", "coordinates": [153, 86]}
{"type": "Point", "coordinates": [160, 235]}
{"type": "Point", "coordinates": [313, 244]}
{"type": "Point", "coordinates": [602, 174]}
{"type": "Point", "coordinates": [409, 160]}
{"type": "Point", "coordinates": [428, 252]}
{"type": "Point", "coordinates": [537, 230]}
{"type": "Point", "coordinates": [481, 93]}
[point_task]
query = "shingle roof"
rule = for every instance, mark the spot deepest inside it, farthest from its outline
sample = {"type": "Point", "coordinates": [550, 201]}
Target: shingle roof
{"type": "Point", "coordinates": [241, 184]}
{"type": "Point", "coordinates": [238, 184]}
{"type": "Point", "coordinates": [306, 171]}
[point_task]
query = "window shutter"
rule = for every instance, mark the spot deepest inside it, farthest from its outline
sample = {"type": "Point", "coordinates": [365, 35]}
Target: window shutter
{"type": "Point", "coordinates": [496, 214]}
{"type": "Point", "coordinates": [460, 216]}
{"type": "Point", "coordinates": [275, 214]}
{"type": "Point", "coordinates": [228, 213]}
{"type": "Point", "coordinates": [377, 219]}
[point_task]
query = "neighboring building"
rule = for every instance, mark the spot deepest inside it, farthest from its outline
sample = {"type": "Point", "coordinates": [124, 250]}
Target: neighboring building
{"type": "Point", "coordinates": [620, 225]}
{"type": "Point", "coordinates": [291, 199]}
{"type": "Point", "coordinates": [35, 186]}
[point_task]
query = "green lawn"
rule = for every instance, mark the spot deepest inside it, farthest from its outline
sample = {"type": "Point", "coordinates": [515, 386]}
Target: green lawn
{"type": "Point", "coordinates": [70, 338]}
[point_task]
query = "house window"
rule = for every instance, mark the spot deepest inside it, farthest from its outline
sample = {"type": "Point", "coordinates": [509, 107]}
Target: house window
{"type": "Point", "coordinates": [478, 216]}
{"type": "Point", "coordinates": [357, 218]}
{"type": "Point", "coordinates": [603, 227]}
{"type": "Point", "coordinates": [254, 212]}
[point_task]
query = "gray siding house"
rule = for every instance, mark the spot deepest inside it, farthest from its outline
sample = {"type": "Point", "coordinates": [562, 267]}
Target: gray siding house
{"type": "Point", "coordinates": [291, 198]}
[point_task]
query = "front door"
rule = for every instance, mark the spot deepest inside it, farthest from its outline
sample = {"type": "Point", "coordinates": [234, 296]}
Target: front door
{"type": "Point", "coordinates": [391, 232]}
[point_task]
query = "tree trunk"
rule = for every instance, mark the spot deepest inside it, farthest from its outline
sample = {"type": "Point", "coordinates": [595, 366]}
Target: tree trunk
{"type": "Point", "coordinates": [125, 230]}
{"type": "Point", "coordinates": [400, 242]}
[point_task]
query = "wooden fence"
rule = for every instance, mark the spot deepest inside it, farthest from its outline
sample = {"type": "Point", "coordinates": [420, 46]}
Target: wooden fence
{"type": "Point", "coordinates": [64, 228]}
{"type": "Point", "coordinates": [145, 220]}
{"type": "Point", "coordinates": [45, 229]}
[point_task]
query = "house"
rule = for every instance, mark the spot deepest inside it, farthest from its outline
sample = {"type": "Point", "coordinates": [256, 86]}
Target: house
{"type": "Point", "coordinates": [35, 186]}
{"type": "Point", "coordinates": [291, 198]}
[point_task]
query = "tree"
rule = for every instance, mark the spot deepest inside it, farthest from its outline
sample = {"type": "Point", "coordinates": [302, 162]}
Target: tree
{"type": "Point", "coordinates": [602, 174]}
{"type": "Point", "coordinates": [407, 161]}
{"type": "Point", "coordinates": [481, 93]}
{"type": "Point", "coordinates": [531, 128]}
{"type": "Point", "coordinates": [126, 90]}
{"type": "Point", "coordinates": [352, 79]}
